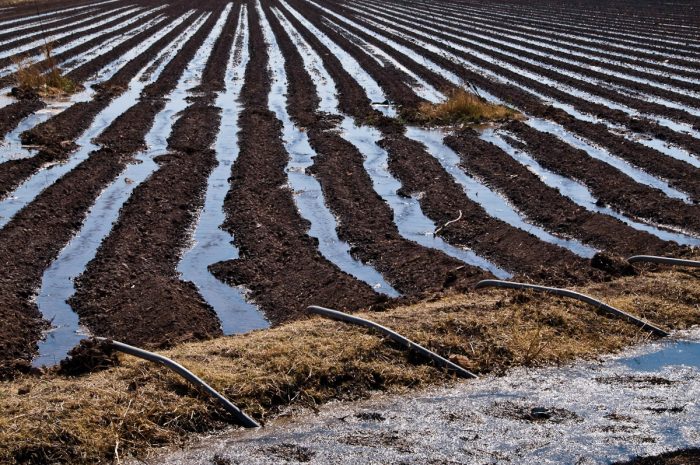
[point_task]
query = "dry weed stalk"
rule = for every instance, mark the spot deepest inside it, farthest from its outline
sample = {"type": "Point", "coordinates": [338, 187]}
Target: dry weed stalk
{"type": "Point", "coordinates": [43, 77]}
{"type": "Point", "coordinates": [463, 107]}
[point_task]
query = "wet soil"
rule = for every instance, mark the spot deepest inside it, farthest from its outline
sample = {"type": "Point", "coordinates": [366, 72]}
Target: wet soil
{"type": "Point", "coordinates": [544, 204]}
{"type": "Point", "coordinates": [366, 221]}
{"type": "Point", "coordinates": [279, 261]}
{"type": "Point", "coordinates": [139, 257]}
{"type": "Point", "coordinates": [60, 210]}
{"type": "Point", "coordinates": [606, 183]}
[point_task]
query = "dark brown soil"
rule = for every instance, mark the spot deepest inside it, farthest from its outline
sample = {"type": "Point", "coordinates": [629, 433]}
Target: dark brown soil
{"type": "Point", "coordinates": [544, 204]}
{"type": "Point", "coordinates": [278, 261]}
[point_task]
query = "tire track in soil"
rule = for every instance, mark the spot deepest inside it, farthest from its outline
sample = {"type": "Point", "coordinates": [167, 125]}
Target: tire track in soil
{"type": "Point", "coordinates": [597, 133]}
{"type": "Point", "coordinates": [441, 198]}
{"type": "Point", "coordinates": [57, 213]}
{"type": "Point", "coordinates": [279, 262]}
{"type": "Point", "coordinates": [57, 136]}
{"type": "Point", "coordinates": [365, 220]}
{"type": "Point", "coordinates": [607, 184]}
{"type": "Point", "coordinates": [139, 257]}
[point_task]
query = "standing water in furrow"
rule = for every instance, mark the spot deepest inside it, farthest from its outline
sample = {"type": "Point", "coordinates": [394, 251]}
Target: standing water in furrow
{"type": "Point", "coordinates": [408, 216]}
{"type": "Point", "coordinates": [12, 149]}
{"type": "Point", "coordinates": [308, 195]}
{"type": "Point", "coordinates": [212, 244]}
{"type": "Point", "coordinates": [373, 90]}
{"type": "Point", "coordinates": [493, 203]}
{"type": "Point", "coordinates": [82, 25]}
{"type": "Point", "coordinates": [30, 188]}
{"type": "Point", "coordinates": [57, 282]}
{"type": "Point", "coordinates": [412, 224]}
{"type": "Point", "coordinates": [579, 193]}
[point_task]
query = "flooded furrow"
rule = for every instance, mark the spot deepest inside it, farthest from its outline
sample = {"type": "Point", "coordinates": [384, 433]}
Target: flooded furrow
{"type": "Point", "coordinates": [518, 52]}
{"type": "Point", "coordinates": [32, 187]}
{"type": "Point", "coordinates": [408, 216]}
{"type": "Point", "coordinates": [581, 195]}
{"type": "Point", "coordinates": [418, 84]}
{"type": "Point", "coordinates": [98, 20]}
{"type": "Point", "coordinates": [628, 169]}
{"type": "Point", "coordinates": [536, 76]}
{"type": "Point", "coordinates": [495, 205]}
{"type": "Point", "coordinates": [548, 48]}
{"type": "Point", "coordinates": [308, 195]}
{"type": "Point", "coordinates": [37, 17]}
{"type": "Point", "coordinates": [13, 149]}
{"type": "Point", "coordinates": [370, 86]}
{"type": "Point", "coordinates": [58, 280]}
{"type": "Point", "coordinates": [211, 243]}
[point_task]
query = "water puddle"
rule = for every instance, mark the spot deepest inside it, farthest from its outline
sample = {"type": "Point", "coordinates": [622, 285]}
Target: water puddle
{"type": "Point", "coordinates": [580, 194]}
{"type": "Point", "coordinates": [408, 216]}
{"type": "Point", "coordinates": [212, 244]}
{"type": "Point", "coordinates": [495, 205]}
{"type": "Point", "coordinates": [57, 282]}
{"type": "Point", "coordinates": [370, 86]}
{"type": "Point", "coordinates": [308, 195]}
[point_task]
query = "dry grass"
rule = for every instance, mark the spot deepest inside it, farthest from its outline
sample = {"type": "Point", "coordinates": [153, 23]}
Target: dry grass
{"type": "Point", "coordinates": [462, 107]}
{"type": "Point", "coordinates": [135, 407]}
{"type": "Point", "coordinates": [44, 78]}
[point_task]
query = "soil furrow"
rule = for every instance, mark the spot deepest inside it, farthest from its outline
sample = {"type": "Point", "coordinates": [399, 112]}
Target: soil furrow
{"type": "Point", "coordinates": [678, 173]}
{"type": "Point", "coordinates": [608, 185]}
{"type": "Point", "coordinates": [278, 261]}
{"type": "Point", "coordinates": [57, 136]}
{"type": "Point", "coordinates": [365, 220]}
{"type": "Point", "coordinates": [441, 198]}
{"type": "Point", "coordinates": [58, 212]}
{"type": "Point", "coordinates": [546, 205]}
{"type": "Point", "coordinates": [139, 257]}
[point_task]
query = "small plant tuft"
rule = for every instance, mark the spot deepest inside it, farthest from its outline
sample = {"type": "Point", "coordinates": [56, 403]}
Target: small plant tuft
{"type": "Point", "coordinates": [462, 107]}
{"type": "Point", "coordinates": [44, 78]}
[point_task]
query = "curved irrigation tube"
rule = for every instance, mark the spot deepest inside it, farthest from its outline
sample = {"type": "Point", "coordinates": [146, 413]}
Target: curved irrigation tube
{"type": "Point", "coordinates": [394, 336]}
{"type": "Point", "coordinates": [242, 418]}
{"type": "Point", "coordinates": [663, 260]}
{"type": "Point", "coordinates": [578, 296]}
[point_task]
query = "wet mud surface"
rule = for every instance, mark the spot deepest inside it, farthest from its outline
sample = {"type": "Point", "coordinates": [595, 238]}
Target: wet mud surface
{"type": "Point", "coordinates": [398, 208]}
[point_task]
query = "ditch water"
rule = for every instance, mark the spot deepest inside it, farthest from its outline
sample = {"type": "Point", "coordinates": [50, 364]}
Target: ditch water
{"type": "Point", "coordinates": [641, 402]}
{"type": "Point", "coordinates": [211, 243]}
{"type": "Point", "coordinates": [58, 280]}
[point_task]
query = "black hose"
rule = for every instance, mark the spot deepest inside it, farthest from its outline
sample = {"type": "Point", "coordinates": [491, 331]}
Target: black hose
{"type": "Point", "coordinates": [242, 418]}
{"type": "Point", "coordinates": [663, 260]}
{"type": "Point", "coordinates": [393, 335]}
{"type": "Point", "coordinates": [578, 296]}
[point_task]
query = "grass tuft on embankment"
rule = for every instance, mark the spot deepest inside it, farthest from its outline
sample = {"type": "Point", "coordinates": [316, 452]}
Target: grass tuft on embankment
{"type": "Point", "coordinates": [136, 407]}
{"type": "Point", "coordinates": [462, 107]}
